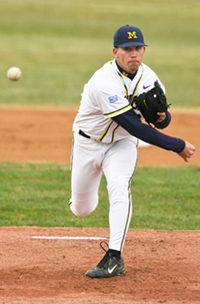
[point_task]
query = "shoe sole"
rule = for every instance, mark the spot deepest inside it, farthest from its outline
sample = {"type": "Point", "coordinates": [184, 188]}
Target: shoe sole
{"type": "Point", "coordinates": [120, 273]}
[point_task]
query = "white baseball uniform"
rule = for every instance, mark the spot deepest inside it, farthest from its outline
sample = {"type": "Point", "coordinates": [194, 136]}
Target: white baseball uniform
{"type": "Point", "coordinates": [102, 146]}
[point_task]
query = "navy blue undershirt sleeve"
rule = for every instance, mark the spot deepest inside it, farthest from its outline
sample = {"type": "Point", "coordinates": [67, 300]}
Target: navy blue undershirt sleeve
{"type": "Point", "coordinates": [131, 122]}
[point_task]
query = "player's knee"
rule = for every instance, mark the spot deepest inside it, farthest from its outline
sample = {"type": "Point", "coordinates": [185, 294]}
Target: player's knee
{"type": "Point", "coordinates": [82, 208]}
{"type": "Point", "coordinates": [118, 183]}
{"type": "Point", "coordinates": [118, 190]}
{"type": "Point", "coordinates": [80, 212]}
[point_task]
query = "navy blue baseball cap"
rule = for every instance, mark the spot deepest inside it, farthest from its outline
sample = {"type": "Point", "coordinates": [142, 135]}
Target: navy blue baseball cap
{"type": "Point", "coordinates": [128, 35]}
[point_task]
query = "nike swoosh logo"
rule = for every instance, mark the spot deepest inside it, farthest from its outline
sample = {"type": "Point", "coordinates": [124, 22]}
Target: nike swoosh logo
{"type": "Point", "coordinates": [145, 87]}
{"type": "Point", "coordinates": [112, 269]}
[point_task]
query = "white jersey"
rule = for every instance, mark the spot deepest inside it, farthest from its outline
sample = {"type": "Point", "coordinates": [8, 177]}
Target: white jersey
{"type": "Point", "coordinates": [107, 94]}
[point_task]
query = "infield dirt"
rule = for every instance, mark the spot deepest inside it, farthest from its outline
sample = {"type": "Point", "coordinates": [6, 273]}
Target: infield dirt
{"type": "Point", "coordinates": [45, 134]}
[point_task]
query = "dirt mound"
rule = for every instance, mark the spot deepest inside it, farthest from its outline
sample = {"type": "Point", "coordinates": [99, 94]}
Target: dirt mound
{"type": "Point", "coordinates": [161, 266]}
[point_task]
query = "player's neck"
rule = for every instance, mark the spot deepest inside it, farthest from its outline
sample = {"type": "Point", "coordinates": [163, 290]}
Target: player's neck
{"type": "Point", "coordinates": [131, 76]}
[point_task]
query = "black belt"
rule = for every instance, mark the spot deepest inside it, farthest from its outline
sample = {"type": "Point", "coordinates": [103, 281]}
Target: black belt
{"type": "Point", "coordinates": [83, 134]}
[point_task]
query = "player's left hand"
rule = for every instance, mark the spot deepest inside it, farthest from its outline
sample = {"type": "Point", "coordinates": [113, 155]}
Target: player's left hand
{"type": "Point", "coordinates": [162, 116]}
{"type": "Point", "coordinates": [152, 103]}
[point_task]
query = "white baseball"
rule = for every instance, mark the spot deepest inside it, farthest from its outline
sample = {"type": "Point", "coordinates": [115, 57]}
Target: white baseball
{"type": "Point", "coordinates": [14, 73]}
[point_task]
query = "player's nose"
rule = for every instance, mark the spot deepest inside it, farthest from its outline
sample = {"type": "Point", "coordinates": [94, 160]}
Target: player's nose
{"type": "Point", "coordinates": [133, 53]}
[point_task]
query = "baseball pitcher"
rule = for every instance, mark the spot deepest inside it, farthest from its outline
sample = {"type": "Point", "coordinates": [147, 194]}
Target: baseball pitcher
{"type": "Point", "coordinates": [115, 102]}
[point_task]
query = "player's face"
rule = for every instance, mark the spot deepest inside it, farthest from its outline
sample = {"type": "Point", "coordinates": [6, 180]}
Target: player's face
{"type": "Point", "coordinates": [129, 58]}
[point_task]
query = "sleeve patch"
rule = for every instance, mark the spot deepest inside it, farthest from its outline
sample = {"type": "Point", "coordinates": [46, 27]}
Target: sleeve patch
{"type": "Point", "coordinates": [113, 99]}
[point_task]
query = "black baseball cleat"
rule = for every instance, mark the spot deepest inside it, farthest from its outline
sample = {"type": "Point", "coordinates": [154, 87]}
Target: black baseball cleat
{"type": "Point", "coordinates": [109, 266]}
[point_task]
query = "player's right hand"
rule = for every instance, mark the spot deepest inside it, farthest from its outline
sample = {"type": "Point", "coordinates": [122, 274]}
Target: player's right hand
{"type": "Point", "coordinates": [187, 152]}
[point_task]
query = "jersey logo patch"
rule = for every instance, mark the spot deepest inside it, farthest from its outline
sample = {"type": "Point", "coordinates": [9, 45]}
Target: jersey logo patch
{"type": "Point", "coordinates": [113, 98]}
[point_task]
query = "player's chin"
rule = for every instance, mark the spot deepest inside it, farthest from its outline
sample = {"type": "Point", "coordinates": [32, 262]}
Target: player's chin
{"type": "Point", "coordinates": [133, 66]}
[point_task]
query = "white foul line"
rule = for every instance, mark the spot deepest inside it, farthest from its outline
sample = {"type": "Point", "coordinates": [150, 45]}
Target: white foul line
{"type": "Point", "coordinates": [68, 237]}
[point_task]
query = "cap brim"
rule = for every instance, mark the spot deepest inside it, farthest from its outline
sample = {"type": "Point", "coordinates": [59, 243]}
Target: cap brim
{"type": "Point", "coordinates": [131, 44]}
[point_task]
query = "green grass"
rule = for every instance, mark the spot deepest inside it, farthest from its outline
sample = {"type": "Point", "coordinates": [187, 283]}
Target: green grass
{"type": "Point", "coordinates": [37, 194]}
{"type": "Point", "coordinates": [58, 44]}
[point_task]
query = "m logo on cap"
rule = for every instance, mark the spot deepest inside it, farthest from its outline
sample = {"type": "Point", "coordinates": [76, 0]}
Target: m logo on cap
{"type": "Point", "coordinates": [131, 35]}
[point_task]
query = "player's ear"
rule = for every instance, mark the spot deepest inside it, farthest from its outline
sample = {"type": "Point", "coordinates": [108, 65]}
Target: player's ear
{"type": "Point", "coordinates": [115, 51]}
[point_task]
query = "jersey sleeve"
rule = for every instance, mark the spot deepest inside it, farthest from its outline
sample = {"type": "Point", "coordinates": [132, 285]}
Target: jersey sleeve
{"type": "Point", "coordinates": [110, 97]}
{"type": "Point", "coordinates": [130, 121]}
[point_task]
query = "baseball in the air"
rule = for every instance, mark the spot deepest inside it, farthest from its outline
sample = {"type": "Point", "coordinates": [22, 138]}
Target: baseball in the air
{"type": "Point", "coordinates": [14, 73]}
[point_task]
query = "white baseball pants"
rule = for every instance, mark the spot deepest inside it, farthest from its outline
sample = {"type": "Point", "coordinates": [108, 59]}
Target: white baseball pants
{"type": "Point", "coordinates": [117, 161]}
